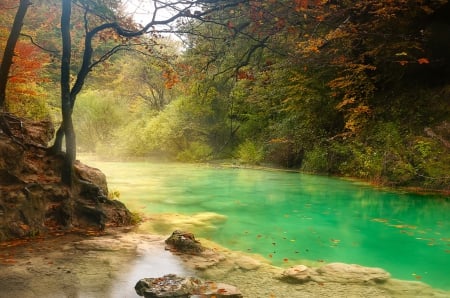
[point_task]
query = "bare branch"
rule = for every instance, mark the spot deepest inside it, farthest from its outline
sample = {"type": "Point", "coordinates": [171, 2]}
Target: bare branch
{"type": "Point", "coordinates": [37, 45]}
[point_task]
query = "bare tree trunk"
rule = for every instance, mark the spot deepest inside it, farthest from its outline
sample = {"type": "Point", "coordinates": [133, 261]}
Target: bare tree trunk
{"type": "Point", "coordinates": [66, 106]}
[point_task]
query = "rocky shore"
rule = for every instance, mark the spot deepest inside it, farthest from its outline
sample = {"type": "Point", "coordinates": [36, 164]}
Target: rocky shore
{"type": "Point", "coordinates": [110, 265]}
{"type": "Point", "coordinates": [33, 201]}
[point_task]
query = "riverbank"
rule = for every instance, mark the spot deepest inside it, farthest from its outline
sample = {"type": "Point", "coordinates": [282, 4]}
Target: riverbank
{"type": "Point", "coordinates": [109, 265]}
{"type": "Point", "coordinates": [375, 184]}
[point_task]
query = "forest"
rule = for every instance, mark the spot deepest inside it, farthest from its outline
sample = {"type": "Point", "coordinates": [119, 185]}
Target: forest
{"type": "Point", "coordinates": [345, 88]}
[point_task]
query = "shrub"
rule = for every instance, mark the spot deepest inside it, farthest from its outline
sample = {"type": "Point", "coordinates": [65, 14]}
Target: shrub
{"type": "Point", "coordinates": [196, 151]}
{"type": "Point", "coordinates": [316, 160]}
{"type": "Point", "coordinates": [249, 153]}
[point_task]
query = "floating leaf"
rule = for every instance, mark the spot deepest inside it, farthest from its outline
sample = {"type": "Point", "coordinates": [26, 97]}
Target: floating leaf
{"type": "Point", "coordinates": [382, 220]}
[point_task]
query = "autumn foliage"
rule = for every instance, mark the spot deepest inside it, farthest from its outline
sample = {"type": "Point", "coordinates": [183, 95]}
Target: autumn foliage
{"type": "Point", "coordinates": [27, 71]}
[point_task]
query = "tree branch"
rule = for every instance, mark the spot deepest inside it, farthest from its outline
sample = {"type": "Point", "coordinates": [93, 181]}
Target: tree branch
{"type": "Point", "coordinates": [37, 45]}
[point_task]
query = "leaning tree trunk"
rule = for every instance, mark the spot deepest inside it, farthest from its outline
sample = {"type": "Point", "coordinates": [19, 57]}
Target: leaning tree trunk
{"type": "Point", "coordinates": [8, 59]}
{"type": "Point", "coordinates": [66, 106]}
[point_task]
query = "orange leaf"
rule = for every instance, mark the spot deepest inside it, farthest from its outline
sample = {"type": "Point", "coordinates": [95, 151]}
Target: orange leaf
{"type": "Point", "coordinates": [423, 60]}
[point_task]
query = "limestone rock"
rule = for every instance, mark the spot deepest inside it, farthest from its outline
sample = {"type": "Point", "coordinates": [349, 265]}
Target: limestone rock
{"type": "Point", "coordinates": [33, 200]}
{"type": "Point", "coordinates": [298, 273]}
{"type": "Point", "coordinates": [93, 175]}
{"type": "Point", "coordinates": [247, 263]}
{"type": "Point", "coordinates": [172, 285]}
{"type": "Point", "coordinates": [349, 273]}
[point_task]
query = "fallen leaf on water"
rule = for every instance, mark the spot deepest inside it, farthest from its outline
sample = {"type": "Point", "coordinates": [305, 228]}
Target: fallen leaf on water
{"type": "Point", "coordinates": [383, 220]}
{"type": "Point", "coordinates": [285, 260]}
{"type": "Point", "coordinates": [270, 255]}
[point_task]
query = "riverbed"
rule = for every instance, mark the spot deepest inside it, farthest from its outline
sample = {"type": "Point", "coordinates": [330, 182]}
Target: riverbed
{"type": "Point", "coordinates": [288, 217]}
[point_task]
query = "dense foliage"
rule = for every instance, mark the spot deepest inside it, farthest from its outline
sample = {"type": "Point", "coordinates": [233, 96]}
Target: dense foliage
{"type": "Point", "coordinates": [353, 88]}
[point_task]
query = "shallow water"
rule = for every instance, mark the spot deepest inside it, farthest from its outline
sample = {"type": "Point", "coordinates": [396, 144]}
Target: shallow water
{"type": "Point", "coordinates": [290, 218]}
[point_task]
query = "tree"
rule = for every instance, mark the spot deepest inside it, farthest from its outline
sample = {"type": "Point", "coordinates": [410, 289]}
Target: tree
{"type": "Point", "coordinates": [112, 29]}
{"type": "Point", "coordinates": [8, 59]}
{"type": "Point", "coordinates": [66, 100]}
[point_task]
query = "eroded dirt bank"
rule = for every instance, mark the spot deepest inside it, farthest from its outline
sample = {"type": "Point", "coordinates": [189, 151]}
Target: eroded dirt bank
{"type": "Point", "coordinates": [111, 264]}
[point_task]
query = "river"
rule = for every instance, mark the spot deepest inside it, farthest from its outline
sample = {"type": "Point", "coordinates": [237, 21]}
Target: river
{"type": "Point", "coordinates": [291, 218]}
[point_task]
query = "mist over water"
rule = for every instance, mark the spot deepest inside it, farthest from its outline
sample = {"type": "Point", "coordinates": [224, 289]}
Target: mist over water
{"type": "Point", "coordinates": [291, 218]}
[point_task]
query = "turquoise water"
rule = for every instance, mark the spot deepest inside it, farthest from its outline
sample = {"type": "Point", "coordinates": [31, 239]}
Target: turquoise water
{"type": "Point", "coordinates": [290, 217]}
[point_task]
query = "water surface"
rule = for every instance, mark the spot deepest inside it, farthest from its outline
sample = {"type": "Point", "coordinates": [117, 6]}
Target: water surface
{"type": "Point", "coordinates": [290, 217]}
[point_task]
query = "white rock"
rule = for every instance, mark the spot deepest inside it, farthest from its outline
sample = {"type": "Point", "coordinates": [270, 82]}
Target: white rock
{"type": "Point", "coordinates": [298, 273]}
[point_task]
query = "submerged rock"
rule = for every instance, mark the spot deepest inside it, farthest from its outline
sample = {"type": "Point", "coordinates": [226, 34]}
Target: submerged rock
{"type": "Point", "coordinates": [172, 285]}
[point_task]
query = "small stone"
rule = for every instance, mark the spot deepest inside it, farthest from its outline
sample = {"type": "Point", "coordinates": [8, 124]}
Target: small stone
{"type": "Point", "coordinates": [298, 273]}
{"type": "Point", "coordinates": [184, 242]}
